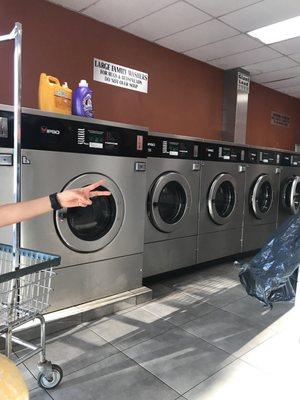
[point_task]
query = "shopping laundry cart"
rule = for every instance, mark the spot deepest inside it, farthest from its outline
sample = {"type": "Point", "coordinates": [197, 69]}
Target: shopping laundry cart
{"type": "Point", "coordinates": [25, 275]}
{"type": "Point", "coordinates": [24, 295]}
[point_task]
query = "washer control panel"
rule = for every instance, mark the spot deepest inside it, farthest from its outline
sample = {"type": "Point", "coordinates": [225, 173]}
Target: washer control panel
{"type": "Point", "coordinates": [165, 147]}
{"type": "Point", "coordinates": [290, 160]}
{"type": "Point", "coordinates": [269, 157]}
{"type": "Point", "coordinates": [217, 152]}
{"type": "Point", "coordinates": [257, 156]}
{"type": "Point", "coordinates": [44, 132]}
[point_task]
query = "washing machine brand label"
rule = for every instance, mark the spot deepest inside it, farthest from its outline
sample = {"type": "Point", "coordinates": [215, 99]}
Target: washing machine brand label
{"type": "Point", "coordinates": [44, 129]}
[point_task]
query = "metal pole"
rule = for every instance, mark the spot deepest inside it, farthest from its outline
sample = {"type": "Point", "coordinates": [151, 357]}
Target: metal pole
{"type": "Point", "coordinates": [16, 35]}
{"type": "Point", "coordinates": [17, 135]}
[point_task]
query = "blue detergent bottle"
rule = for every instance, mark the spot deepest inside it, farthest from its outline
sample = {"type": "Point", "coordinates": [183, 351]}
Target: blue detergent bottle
{"type": "Point", "coordinates": [82, 104]}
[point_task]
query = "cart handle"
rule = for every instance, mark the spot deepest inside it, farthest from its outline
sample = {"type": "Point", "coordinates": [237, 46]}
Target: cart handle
{"type": "Point", "coordinates": [32, 269]}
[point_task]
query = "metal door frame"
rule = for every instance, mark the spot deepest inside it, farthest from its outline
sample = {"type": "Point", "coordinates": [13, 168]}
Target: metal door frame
{"type": "Point", "coordinates": [253, 202]}
{"type": "Point", "coordinates": [217, 181]}
{"type": "Point", "coordinates": [62, 226]}
{"type": "Point", "coordinates": [293, 210]}
{"type": "Point", "coordinates": [154, 194]}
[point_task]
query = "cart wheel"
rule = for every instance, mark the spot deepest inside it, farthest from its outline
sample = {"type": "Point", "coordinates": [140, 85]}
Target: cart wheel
{"type": "Point", "coordinates": [57, 375]}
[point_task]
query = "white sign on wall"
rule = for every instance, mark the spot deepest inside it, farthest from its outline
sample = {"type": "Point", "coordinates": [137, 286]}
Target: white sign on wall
{"type": "Point", "coordinates": [117, 75]}
{"type": "Point", "coordinates": [280, 119]}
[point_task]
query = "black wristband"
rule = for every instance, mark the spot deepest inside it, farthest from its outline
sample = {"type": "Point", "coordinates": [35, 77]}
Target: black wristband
{"type": "Point", "coordinates": [54, 202]}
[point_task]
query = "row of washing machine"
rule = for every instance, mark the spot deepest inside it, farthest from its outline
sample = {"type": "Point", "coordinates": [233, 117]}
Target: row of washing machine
{"type": "Point", "coordinates": [175, 202]}
{"type": "Point", "coordinates": [208, 200]}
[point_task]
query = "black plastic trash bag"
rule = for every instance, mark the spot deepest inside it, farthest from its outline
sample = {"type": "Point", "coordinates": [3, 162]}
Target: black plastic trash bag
{"type": "Point", "coordinates": [271, 276]}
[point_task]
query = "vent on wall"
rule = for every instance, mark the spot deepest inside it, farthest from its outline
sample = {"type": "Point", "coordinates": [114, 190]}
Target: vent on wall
{"type": "Point", "coordinates": [235, 105]}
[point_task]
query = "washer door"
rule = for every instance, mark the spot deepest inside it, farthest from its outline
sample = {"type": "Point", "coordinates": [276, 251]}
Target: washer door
{"type": "Point", "coordinates": [169, 201]}
{"type": "Point", "coordinates": [261, 197]}
{"type": "Point", "coordinates": [89, 229]}
{"type": "Point", "coordinates": [290, 196]}
{"type": "Point", "coordinates": [222, 198]}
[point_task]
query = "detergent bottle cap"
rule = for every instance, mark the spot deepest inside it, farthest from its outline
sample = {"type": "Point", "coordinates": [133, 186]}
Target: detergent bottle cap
{"type": "Point", "coordinates": [83, 83]}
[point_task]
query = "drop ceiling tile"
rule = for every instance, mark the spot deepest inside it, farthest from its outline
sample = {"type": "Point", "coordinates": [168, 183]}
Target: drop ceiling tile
{"type": "Point", "coordinates": [245, 58]}
{"type": "Point", "coordinates": [288, 46]}
{"type": "Point", "coordinates": [263, 13]}
{"type": "Point", "coordinates": [270, 65]}
{"type": "Point", "coordinates": [295, 93]}
{"type": "Point", "coordinates": [276, 75]}
{"type": "Point", "coordinates": [208, 32]}
{"type": "Point", "coordinates": [224, 47]}
{"type": "Point", "coordinates": [220, 7]}
{"type": "Point", "coordinates": [77, 5]}
{"type": "Point", "coordinates": [291, 90]}
{"type": "Point", "coordinates": [284, 83]}
{"type": "Point", "coordinates": [295, 57]}
{"type": "Point", "coordinates": [219, 64]}
{"type": "Point", "coordinates": [179, 16]}
{"type": "Point", "coordinates": [122, 12]}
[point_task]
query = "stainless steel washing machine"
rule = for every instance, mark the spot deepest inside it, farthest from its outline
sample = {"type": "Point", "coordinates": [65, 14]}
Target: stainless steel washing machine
{"type": "Point", "coordinates": [101, 246]}
{"type": "Point", "coordinates": [261, 197]}
{"type": "Point", "coordinates": [173, 179]}
{"type": "Point", "coordinates": [289, 195]}
{"type": "Point", "coordinates": [221, 201]}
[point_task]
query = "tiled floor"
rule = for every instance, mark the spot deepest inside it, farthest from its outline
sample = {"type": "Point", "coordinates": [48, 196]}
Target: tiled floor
{"type": "Point", "coordinates": [200, 338]}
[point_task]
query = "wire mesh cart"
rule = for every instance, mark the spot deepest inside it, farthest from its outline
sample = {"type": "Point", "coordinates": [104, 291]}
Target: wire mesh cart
{"type": "Point", "coordinates": [25, 275]}
{"type": "Point", "coordinates": [24, 295]}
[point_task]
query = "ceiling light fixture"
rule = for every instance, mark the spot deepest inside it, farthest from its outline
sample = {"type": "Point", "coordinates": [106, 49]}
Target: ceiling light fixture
{"type": "Point", "coordinates": [287, 29]}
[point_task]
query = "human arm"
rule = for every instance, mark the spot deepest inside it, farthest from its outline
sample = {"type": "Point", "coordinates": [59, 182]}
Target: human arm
{"type": "Point", "coordinates": [13, 213]}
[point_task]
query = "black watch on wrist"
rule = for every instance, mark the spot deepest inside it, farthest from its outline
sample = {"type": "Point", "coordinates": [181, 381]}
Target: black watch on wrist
{"type": "Point", "coordinates": [55, 204]}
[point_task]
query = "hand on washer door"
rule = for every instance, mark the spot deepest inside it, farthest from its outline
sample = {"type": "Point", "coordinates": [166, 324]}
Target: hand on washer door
{"type": "Point", "coordinates": [81, 197]}
{"type": "Point", "coordinates": [14, 213]}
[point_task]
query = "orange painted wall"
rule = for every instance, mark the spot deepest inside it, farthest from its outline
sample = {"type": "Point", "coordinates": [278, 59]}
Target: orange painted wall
{"type": "Point", "coordinates": [260, 131]}
{"type": "Point", "coordinates": [185, 95]}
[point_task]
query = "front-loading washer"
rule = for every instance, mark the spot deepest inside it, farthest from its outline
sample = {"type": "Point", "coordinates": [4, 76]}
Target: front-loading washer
{"type": "Point", "coordinates": [101, 246]}
{"type": "Point", "coordinates": [289, 194]}
{"type": "Point", "coordinates": [221, 201]}
{"type": "Point", "coordinates": [261, 197]}
{"type": "Point", "coordinates": [173, 178]}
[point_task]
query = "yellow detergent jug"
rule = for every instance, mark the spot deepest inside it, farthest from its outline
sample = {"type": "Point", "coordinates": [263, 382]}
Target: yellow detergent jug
{"type": "Point", "coordinates": [53, 96]}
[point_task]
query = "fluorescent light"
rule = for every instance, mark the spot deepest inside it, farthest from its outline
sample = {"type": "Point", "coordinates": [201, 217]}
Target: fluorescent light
{"type": "Point", "coordinates": [283, 30]}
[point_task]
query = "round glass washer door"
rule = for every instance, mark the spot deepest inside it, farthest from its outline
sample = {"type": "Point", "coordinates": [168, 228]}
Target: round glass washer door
{"type": "Point", "coordinates": [222, 198]}
{"type": "Point", "coordinates": [261, 197]}
{"type": "Point", "coordinates": [89, 229]}
{"type": "Point", "coordinates": [169, 201]}
{"type": "Point", "coordinates": [290, 196]}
